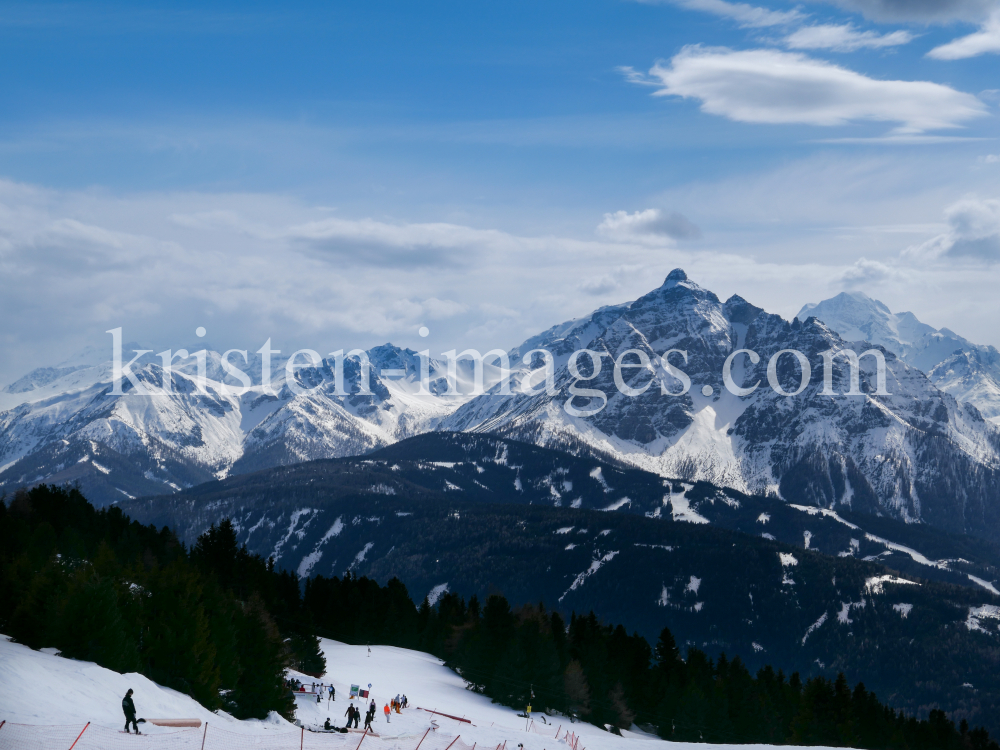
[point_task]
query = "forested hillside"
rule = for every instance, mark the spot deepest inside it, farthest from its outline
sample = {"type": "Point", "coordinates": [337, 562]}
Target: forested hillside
{"type": "Point", "coordinates": [214, 622]}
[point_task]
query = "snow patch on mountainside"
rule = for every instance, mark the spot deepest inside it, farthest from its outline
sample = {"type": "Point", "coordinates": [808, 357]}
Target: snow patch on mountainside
{"type": "Point", "coordinates": [595, 566]}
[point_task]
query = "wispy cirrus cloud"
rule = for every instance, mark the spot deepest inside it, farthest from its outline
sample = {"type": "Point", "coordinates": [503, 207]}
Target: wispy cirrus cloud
{"type": "Point", "coordinates": [984, 41]}
{"type": "Point", "coordinates": [770, 86]}
{"type": "Point", "coordinates": [844, 38]}
{"type": "Point", "coordinates": [746, 15]}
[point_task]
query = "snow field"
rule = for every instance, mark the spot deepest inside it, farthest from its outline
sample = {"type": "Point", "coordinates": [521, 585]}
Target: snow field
{"type": "Point", "coordinates": [59, 696]}
{"type": "Point", "coordinates": [38, 687]}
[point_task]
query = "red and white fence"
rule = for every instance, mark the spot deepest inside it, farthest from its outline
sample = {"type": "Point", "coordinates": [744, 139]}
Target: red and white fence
{"type": "Point", "coordinates": [570, 738]}
{"type": "Point", "coordinates": [211, 737]}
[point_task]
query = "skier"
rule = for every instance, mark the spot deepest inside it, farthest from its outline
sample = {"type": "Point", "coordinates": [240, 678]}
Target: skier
{"type": "Point", "coordinates": [129, 708]}
{"type": "Point", "coordinates": [386, 710]}
{"type": "Point", "coordinates": [350, 714]}
{"type": "Point", "coordinates": [368, 718]}
{"type": "Point", "coordinates": [319, 698]}
{"type": "Point", "coordinates": [326, 724]}
{"type": "Point", "coordinates": [406, 703]}
{"type": "Point", "coordinates": [333, 693]}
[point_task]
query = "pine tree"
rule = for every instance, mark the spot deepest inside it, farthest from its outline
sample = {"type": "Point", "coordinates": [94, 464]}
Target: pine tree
{"type": "Point", "coordinates": [260, 687]}
{"type": "Point", "coordinates": [92, 627]}
{"type": "Point", "coordinates": [177, 646]}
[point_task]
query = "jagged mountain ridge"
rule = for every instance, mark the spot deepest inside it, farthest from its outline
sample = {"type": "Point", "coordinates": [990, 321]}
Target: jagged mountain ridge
{"type": "Point", "coordinates": [970, 372]}
{"type": "Point", "coordinates": [916, 454]}
{"type": "Point", "coordinates": [72, 428]}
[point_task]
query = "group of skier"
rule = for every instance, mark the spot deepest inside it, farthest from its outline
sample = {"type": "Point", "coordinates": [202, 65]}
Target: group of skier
{"type": "Point", "coordinates": [354, 714]}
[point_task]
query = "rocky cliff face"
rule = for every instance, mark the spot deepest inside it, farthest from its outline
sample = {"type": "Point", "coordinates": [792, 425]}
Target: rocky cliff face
{"type": "Point", "coordinates": [916, 454]}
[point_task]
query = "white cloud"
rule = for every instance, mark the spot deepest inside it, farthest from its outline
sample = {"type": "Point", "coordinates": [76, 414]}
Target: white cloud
{"type": "Point", "coordinates": [768, 86]}
{"type": "Point", "coordinates": [782, 236]}
{"type": "Point", "coordinates": [866, 272]}
{"type": "Point", "coordinates": [748, 16]}
{"type": "Point", "coordinates": [651, 225]}
{"type": "Point", "coordinates": [990, 159]}
{"type": "Point", "coordinates": [844, 38]}
{"type": "Point", "coordinates": [919, 11]}
{"type": "Point", "coordinates": [973, 233]}
{"type": "Point", "coordinates": [251, 266]}
{"type": "Point", "coordinates": [984, 41]}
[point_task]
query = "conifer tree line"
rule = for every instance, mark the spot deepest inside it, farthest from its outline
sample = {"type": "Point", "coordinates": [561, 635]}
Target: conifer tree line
{"type": "Point", "coordinates": [595, 672]}
{"type": "Point", "coordinates": [102, 588]}
{"type": "Point", "coordinates": [221, 625]}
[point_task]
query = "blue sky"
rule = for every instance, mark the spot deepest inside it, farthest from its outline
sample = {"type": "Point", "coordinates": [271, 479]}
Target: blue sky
{"type": "Point", "coordinates": [344, 173]}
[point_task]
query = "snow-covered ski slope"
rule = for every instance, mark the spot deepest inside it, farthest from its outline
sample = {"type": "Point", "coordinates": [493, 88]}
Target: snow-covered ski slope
{"type": "Point", "coordinates": [45, 690]}
{"type": "Point", "coordinates": [39, 687]}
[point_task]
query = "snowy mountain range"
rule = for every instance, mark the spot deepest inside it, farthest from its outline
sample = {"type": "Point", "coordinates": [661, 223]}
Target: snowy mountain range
{"type": "Point", "coordinates": [64, 424]}
{"type": "Point", "coordinates": [919, 454]}
{"type": "Point", "coordinates": [969, 372]}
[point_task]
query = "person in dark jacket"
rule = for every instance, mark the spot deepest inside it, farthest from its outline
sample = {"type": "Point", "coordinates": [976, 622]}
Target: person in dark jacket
{"type": "Point", "coordinates": [327, 725]}
{"type": "Point", "coordinates": [129, 708]}
{"type": "Point", "coordinates": [353, 715]}
{"type": "Point", "coordinates": [369, 717]}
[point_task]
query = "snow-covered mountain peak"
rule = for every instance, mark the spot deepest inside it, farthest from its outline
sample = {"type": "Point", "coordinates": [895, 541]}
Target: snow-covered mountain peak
{"type": "Point", "coordinates": [674, 278]}
{"type": "Point", "coordinates": [821, 450]}
{"type": "Point", "coordinates": [975, 379]}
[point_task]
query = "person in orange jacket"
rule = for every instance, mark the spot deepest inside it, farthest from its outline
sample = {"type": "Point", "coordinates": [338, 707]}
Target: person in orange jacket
{"type": "Point", "coordinates": [386, 710]}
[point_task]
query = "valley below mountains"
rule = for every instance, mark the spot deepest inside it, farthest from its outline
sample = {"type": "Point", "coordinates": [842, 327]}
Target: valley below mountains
{"type": "Point", "coordinates": [909, 610]}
